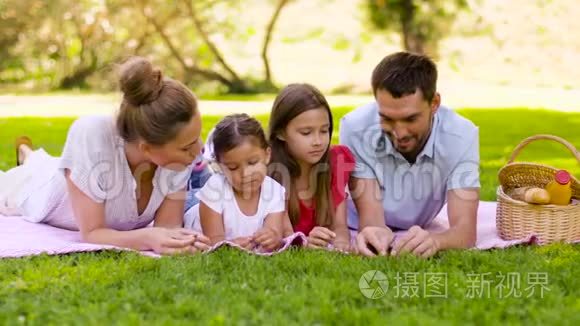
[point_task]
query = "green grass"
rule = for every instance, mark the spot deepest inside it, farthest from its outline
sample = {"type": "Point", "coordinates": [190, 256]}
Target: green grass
{"type": "Point", "coordinates": [300, 286]}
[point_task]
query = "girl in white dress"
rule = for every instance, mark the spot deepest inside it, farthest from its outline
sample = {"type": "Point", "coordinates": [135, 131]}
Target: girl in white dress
{"type": "Point", "coordinates": [243, 204]}
{"type": "Point", "coordinates": [117, 175]}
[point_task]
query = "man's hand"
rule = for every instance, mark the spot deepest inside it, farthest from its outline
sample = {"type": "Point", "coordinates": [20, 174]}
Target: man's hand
{"type": "Point", "coordinates": [417, 241]}
{"type": "Point", "coordinates": [374, 238]}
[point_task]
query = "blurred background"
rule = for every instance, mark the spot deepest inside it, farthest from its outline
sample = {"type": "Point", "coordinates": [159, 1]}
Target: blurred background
{"type": "Point", "coordinates": [490, 53]}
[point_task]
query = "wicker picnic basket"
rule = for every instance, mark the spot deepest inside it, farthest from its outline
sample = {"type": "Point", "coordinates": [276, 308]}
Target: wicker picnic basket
{"type": "Point", "coordinates": [517, 219]}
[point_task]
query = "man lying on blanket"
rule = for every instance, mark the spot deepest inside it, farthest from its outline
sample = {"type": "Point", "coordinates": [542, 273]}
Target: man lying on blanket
{"type": "Point", "coordinates": [412, 156]}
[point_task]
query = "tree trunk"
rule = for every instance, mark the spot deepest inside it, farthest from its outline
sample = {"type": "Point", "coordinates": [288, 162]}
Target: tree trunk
{"type": "Point", "coordinates": [77, 79]}
{"type": "Point", "coordinates": [79, 76]}
{"type": "Point", "coordinates": [413, 43]}
{"type": "Point", "coordinates": [268, 38]}
{"type": "Point", "coordinates": [208, 74]}
{"type": "Point", "coordinates": [412, 40]}
{"type": "Point", "coordinates": [212, 47]}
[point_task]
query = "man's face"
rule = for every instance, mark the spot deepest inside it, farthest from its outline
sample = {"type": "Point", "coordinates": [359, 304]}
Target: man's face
{"type": "Point", "coordinates": [407, 120]}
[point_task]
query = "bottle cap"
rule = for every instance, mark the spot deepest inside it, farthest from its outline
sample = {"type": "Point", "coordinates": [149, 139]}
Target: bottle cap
{"type": "Point", "coordinates": [562, 177]}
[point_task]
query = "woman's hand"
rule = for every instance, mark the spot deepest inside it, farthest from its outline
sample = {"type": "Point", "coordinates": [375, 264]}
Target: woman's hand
{"type": "Point", "coordinates": [176, 241]}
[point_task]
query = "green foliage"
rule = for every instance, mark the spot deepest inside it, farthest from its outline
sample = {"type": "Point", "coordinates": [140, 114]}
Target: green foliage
{"type": "Point", "coordinates": [61, 44]}
{"type": "Point", "coordinates": [421, 23]}
{"type": "Point", "coordinates": [69, 45]}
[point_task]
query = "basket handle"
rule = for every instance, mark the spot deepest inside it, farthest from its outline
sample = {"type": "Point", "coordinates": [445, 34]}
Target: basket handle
{"type": "Point", "coordinates": [531, 139]}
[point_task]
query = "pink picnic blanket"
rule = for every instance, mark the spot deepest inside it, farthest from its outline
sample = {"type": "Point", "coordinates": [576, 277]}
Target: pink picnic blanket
{"type": "Point", "coordinates": [19, 238]}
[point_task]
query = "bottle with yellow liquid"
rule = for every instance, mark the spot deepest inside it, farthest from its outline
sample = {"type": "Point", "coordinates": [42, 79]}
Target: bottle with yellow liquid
{"type": "Point", "coordinates": [560, 189]}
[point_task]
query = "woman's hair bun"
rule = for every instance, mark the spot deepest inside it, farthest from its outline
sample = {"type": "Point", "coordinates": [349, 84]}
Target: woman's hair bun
{"type": "Point", "coordinates": [139, 81]}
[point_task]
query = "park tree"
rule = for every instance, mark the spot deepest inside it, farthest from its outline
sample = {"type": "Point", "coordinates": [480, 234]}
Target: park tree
{"type": "Point", "coordinates": [421, 23]}
{"type": "Point", "coordinates": [61, 44]}
{"type": "Point", "coordinates": [66, 44]}
{"type": "Point", "coordinates": [189, 29]}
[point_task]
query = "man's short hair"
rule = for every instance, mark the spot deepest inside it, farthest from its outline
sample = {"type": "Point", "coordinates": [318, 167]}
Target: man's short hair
{"type": "Point", "coordinates": [402, 73]}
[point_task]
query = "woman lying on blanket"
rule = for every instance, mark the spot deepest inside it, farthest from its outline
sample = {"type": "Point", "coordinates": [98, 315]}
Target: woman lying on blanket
{"type": "Point", "coordinates": [117, 176]}
{"type": "Point", "coordinates": [314, 173]}
{"type": "Point", "coordinates": [241, 204]}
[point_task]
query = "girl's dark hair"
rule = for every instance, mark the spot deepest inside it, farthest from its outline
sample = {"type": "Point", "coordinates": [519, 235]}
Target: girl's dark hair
{"type": "Point", "coordinates": [292, 101]}
{"type": "Point", "coordinates": [153, 108]}
{"type": "Point", "coordinates": [233, 130]}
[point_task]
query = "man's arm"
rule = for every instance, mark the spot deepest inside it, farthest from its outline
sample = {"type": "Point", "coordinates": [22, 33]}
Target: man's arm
{"type": "Point", "coordinates": [373, 232]}
{"type": "Point", "coordinates": [462, 201]}
{"type": "Point", "coordinates": [374, 237]}
{"type": "Point", "coordinates": [462, 207]}
{"type": "Point", "coordinates": [366, 196]}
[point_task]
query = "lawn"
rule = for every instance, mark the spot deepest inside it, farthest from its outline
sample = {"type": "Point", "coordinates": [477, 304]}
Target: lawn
{"type": "Point", "coordinates": [307, 287]}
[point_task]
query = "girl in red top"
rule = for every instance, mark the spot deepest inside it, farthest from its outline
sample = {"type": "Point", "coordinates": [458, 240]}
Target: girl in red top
{"type": "Point", "coordinates": [314, 174]}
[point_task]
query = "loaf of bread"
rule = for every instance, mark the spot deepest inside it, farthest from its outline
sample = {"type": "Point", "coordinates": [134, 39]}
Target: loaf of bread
{"type": "Point", "coordinates": [532, 195]}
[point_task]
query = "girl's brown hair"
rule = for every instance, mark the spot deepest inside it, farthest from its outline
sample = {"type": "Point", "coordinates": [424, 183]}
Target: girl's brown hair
{"type": "Point", "coordinates": [292, 101]}
{"type": "Point", "coordinates": [233, 130]}
{"type": "Point", "coordinates": [153, 108]}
